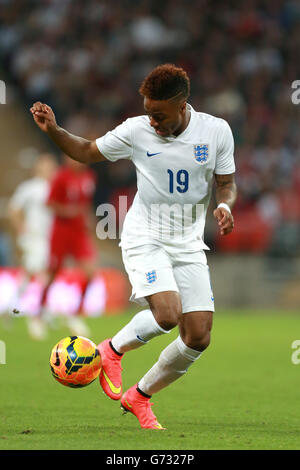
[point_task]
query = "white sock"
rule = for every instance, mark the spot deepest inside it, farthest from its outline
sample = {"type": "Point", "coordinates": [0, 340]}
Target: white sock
{"type": "Point", "coordinates": [137, 332]}
{"type": "Point", "coordinates": [173, 362]}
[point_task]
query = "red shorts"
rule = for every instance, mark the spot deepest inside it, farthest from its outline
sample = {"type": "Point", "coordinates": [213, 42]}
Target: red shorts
{"type": "Point", "coordinates": [64, 243]}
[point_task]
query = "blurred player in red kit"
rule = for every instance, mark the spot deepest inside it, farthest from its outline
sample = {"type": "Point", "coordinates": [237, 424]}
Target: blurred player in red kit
{"type": "Point", "coordinates": [70, 199]}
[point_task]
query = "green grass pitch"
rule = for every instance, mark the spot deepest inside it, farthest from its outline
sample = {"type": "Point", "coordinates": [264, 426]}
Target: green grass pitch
{"type": "Point", "coordinates": [243, 393]}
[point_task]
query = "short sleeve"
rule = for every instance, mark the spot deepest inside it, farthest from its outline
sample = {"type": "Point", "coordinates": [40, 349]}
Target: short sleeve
{"type": "Point", "coordinates": [225, 159]}
{"type": "Point", "coordinates": [116, 144]}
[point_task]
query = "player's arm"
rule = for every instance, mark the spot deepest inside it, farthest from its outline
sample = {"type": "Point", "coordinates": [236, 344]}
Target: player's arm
{"type": "Point", "coordinates": [226, 193]}
{"type": "Point", "coordinates": [78, 148]}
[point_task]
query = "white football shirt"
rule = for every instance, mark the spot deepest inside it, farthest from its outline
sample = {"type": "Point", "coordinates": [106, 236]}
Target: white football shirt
{"type": "Point", "coordinates": [174, 178]}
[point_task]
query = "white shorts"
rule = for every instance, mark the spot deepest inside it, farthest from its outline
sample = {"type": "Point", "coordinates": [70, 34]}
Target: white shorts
{"type": "Point", "coordinates": [152, 269]}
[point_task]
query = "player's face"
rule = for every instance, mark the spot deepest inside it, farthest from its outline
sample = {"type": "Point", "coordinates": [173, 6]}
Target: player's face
{"type": "Point", "coordinates": [166, 117]}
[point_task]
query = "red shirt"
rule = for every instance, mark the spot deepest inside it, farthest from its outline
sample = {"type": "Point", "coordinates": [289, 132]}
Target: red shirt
{"type": "Point", "coordinates": [71, 188]}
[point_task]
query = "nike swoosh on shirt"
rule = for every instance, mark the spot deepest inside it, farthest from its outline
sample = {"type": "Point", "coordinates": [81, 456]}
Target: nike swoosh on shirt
{"type": "Point", "coordinates": [110, 384]}
{"type": "Point", "coordinates": [152, 154]}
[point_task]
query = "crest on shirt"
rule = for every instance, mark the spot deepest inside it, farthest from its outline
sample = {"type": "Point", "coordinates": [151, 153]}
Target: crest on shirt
{"type": "Point", "coordinates": [201, 153]}
{"type": "Point", "coordinates": [151, 276]}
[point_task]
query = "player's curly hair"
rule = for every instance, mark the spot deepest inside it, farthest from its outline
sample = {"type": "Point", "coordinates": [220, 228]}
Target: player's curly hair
{"type": "Point", "coordinates": [164, 82]}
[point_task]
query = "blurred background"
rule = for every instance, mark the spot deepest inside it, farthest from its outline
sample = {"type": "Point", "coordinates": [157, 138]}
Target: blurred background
{"type": "Point", "coordinates": [87, 60]}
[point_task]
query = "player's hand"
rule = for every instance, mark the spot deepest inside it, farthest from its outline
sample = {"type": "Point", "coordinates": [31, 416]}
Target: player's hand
{"type": "Point", "coordinates": [225, 220]}
{"type": "Point", "coordinates": [43, 116]}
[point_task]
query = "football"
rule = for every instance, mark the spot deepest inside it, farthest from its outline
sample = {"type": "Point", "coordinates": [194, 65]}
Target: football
{"type": "Point", "coordinates": [75, 361]}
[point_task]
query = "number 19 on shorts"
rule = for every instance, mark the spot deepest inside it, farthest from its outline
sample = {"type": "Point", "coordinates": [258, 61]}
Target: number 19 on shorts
{"type": "Point", "coordinates": [179, 181]}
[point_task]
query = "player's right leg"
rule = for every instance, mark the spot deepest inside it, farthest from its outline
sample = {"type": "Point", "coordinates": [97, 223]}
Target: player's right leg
{"type": "Point", "coordinates": [153, 282]}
